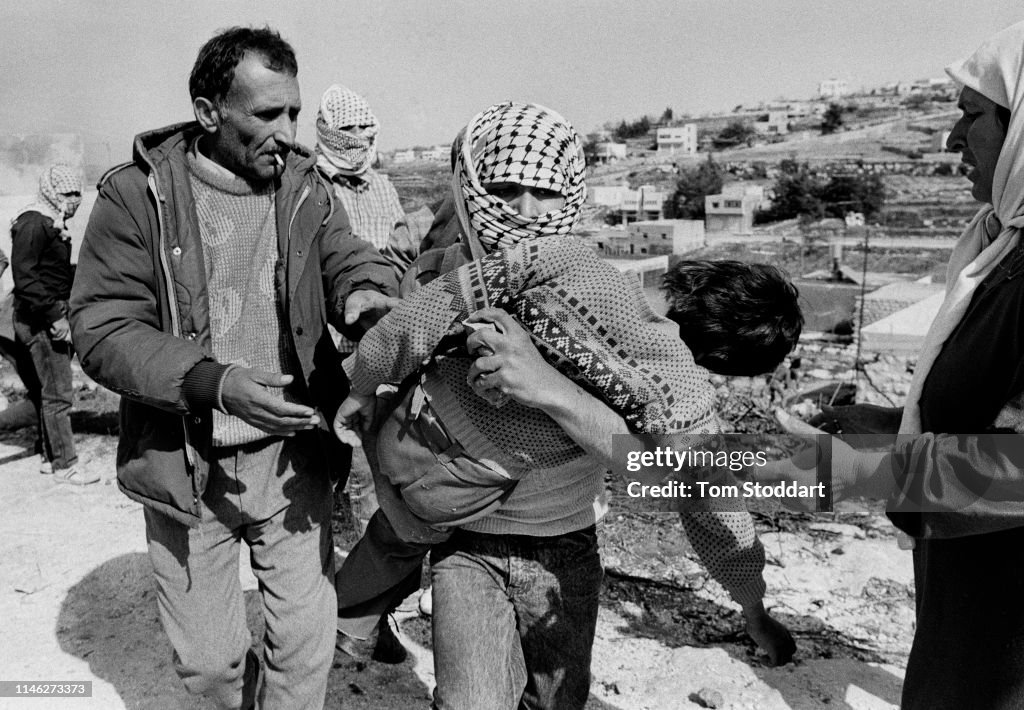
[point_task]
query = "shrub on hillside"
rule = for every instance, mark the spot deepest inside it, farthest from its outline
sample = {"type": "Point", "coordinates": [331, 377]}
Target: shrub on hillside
{"type": "Point", "coordinates": [832, 119]}
{"type": "Point", "coordinates": [795, 194]}
{"type": "Point", "coordinates": [799, 193]}
{"type": "Point", "coordinates": [734, 134]}
{"type": "Point", "coordinates": [635, 129]}
{"type": "Point", "coordinates": [853, 193]}
{"type": "Point", "coordinates": [693, 185]}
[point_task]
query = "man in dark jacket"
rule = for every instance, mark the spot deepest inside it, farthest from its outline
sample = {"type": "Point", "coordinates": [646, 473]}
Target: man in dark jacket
{"type": "Point", "coordinates": [41, 265]}
{"type": "Point", "coordinates": [210, 268]}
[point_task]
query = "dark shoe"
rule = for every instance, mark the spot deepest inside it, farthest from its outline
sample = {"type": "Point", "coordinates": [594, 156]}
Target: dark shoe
{"type": "Point", "coordinates": [388, 649]}
{"type": "Point", "coordinates": [382, 646]}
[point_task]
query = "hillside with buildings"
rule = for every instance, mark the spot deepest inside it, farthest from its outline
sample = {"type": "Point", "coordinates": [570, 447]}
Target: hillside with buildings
{"type": "Point", "coordinates": [895, 131]}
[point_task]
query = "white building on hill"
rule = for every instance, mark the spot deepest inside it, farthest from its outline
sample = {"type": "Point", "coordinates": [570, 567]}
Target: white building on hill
{"type": "Point", "coordinates": [677, 140]}
{"type": "Point", "coordinates": [437, 154]}
{"type": "Point", "coordinates": [610, 152]}
{"type": "Point", "coordinates": [644, 203]}
{"type": "Point", "coordinates": [733, 214]}
{"type": "Point", "coordinates": [606, 195]}
{"type": "Point", "coordinates": [647, 202]}
{"type": "Point", "coordinates": [833, 89]}
{"type": "Point", "coordinates": [665, 236]}
{"type": "Point", "coordinates": [651, 238]}
{"type": "Point", "coordinates": [774, 123]}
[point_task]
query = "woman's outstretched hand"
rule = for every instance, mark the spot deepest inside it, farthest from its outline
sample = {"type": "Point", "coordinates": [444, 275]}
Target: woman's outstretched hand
{"type": "Point", "coordinates": [852, 472]}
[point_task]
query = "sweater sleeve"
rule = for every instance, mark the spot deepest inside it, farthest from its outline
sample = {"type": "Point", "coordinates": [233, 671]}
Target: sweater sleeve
{"type": "Point", "coordinates": [957, 485]}
{"type": "Point", "coordinates": [722, 534]}
{"type": "Point", "coordinates": [404, 241]}
{"type": "Point", "coordinates": [116, 311]}
{"type": "Point", "coordinates": [403, 339]}
{"type": "Point", "coordinates": [582, 314]}
{"type": "Point", "coordinates": [407, 336]}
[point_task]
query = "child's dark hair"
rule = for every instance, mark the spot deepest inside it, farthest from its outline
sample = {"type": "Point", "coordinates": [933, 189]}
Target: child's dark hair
{"type": "Point", "coordinates": [736, 318]}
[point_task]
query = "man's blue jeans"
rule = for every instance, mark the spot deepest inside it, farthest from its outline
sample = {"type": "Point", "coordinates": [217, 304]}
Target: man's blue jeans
{"type": "Point", "coordinates": [52, 361]}
{"type": "Point", "coordinates": [514, 620]}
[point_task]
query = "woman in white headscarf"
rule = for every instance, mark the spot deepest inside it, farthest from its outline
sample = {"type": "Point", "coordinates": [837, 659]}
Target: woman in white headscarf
{"type": "Point", "coordinates": [955, 478]}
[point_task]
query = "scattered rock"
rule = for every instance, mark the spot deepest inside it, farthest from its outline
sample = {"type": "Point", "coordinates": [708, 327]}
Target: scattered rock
{"type": "Point", "coordinates": [612, 688]}
{"type": "Point", "coordinates": [707, 698]}
{"type": "Point", "coordinates": [887, 589]}
{"type": "Point", "coordinates": [632, 609]}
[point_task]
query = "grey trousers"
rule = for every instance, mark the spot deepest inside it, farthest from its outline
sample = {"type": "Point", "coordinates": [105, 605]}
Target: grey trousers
{"type": "Point", "coordinates": [274, 495]}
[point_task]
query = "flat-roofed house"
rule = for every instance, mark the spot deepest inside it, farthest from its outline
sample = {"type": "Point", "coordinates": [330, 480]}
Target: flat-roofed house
{"type": "Point", "coordinates": [665, 236]}
{"type": "Point", "coordinates": [677, 140]}
{"type": "Point", "coordinates": [732, 214]}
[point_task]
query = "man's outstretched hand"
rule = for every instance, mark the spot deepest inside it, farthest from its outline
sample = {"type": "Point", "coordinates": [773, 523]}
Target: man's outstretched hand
{"type": "Point", "coordinates": [245, 393]}
{"type": "Point", "coordinates": [367, 307]}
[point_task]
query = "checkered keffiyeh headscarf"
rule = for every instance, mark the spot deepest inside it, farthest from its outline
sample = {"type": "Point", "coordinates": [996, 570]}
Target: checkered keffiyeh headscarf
{"type": "Point", "coordinates": [339, 151]}
{"type": "Point", "coordinates": [522, 144]}
{"type": "Point", "coordinates": [54, 185]}
{"type": "Point", "coordinates": [53, 199]}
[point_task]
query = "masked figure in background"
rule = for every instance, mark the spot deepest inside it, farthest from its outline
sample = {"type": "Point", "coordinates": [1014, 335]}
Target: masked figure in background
{"type": "Point", "coordinates": [346, 148]}
{"type": "Point", "coordinates": [41, 265]}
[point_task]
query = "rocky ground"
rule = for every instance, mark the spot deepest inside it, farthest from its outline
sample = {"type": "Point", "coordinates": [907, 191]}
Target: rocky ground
{"type": "Point", "coordinates": [76, 594]}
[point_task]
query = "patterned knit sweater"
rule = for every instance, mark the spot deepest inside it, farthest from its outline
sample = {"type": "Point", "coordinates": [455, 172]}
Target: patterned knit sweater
{"type": "Point", "coordinates": [590, 321]}
{"type": "Point", "coordinates": [238, 229]}
{"type": "Point", "coordinates": [594, 324]}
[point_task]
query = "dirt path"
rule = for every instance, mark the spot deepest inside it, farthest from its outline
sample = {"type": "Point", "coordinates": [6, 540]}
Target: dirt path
{"type": "Point", "coordinates": [77, 603]}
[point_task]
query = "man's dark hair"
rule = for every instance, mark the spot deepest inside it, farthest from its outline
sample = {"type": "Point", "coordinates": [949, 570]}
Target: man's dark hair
{"type": "Point", "coordinates": [736, 318]}
{"type": "Point", "coordinates": [214, 69]}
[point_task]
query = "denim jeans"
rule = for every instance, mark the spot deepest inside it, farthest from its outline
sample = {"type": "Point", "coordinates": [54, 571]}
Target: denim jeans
{"type": "Point", "coordinates": [362, 497]}
{"type": "Point", "coordinates": [52, 361]}
{"type": "Point", "coordinates": [514, 620]}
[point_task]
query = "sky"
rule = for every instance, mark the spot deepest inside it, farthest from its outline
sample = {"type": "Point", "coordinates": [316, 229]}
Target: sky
{"type": "Point", "coordinates": [109, 69]}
